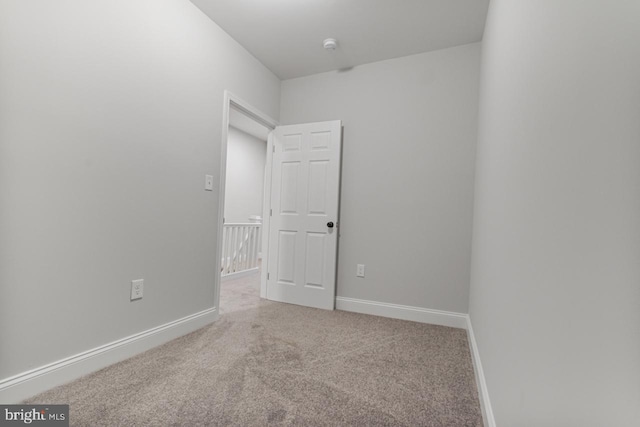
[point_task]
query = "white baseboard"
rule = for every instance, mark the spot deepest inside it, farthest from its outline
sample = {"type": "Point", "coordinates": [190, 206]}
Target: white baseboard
{"type": "Point", "coordinates": [435, 317]}
{"type": "Point", "coordinates": [483, 392]}
{"type": "Point", "coordinates": [240, 273]}
{"type": "Point", "coordinates": [404, 312]}
{"type": "Point", "coordinates": [19, 387]}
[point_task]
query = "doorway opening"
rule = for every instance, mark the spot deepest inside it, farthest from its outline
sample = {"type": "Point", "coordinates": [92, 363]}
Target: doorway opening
{"type": "Point", "coordinates": [243, 204]}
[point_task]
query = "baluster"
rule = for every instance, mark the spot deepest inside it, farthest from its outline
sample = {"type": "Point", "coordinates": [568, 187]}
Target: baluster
{"type": "Point", "coordinates": [249, 247]}
{"type": "Point", "coordinates": [247, 244]}
{"type": "Point", "coordinates": [250, 253]}
{"type": "Point", "coordinates": [258, 242]}
{"type": "Point", "coordinates": [236, 248]}
{"type": "Point", "coordinates": [244, 248]}
{"type": "Point", "coordinates": [227, 236]}
{"type": "Point", "coordinates": [232, 234]}
{"type": "Point", "coordinates": [232, 245]}
{"type": "Point", "coordinates": [256, 239]}
{"type": "Point", "coordinates": [229, 249]}
{"type": "Point", "coordinates": [229, 245]}
{"type": "Point", "coordinates": [255, 246]}
{"type": "Point", "coordinates": [241, 250]}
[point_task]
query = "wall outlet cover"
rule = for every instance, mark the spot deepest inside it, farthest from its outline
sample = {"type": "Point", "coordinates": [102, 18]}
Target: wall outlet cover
{"type": "Point", "coordinates": [137, 288]}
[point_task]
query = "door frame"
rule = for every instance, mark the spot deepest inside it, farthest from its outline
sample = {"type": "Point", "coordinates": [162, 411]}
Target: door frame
{"type": "Point", "coordinates": [230, 99]}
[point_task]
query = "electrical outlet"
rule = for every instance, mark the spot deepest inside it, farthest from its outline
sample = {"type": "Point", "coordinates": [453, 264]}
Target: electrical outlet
{"type": "Point", "coordinates": [137, 286]}
{"type": "Point", "coordinates": [360, 270]}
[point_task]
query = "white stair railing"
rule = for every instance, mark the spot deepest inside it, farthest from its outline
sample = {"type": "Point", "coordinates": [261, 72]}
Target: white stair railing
{"type": "Point", "coordinates": [240, 247]}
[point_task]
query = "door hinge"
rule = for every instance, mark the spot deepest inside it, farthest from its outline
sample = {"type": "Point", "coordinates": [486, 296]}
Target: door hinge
{"type": "Point", "coordinates": [270, 212]}
{"type": "Point", "coordinates": [273, 149]}
{"type": "Point", "coordinates": [268, 276]}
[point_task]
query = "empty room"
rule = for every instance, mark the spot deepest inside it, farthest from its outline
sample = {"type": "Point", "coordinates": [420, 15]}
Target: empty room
{"type": "Point", "coordinates": [320, 212]}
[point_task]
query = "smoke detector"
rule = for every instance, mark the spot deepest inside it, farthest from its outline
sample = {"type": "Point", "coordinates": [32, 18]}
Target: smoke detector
{"type": "Point", "coordinates": [330, 44]}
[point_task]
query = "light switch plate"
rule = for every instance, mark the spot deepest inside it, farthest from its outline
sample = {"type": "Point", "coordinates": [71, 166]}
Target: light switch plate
{"type": "Point", "coordinates": [360, 270]}
{"type": "Point", "coordinates": [137, 287]}
{"type": "Point", "coordinates": [208, 182]}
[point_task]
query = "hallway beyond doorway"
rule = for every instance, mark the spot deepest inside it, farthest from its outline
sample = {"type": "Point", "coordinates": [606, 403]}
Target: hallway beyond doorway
{"type": "Point", "coordinates": [240, 293]}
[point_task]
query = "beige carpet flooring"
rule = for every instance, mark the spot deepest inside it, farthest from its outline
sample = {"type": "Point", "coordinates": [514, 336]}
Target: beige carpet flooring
{"type": "Point", "coordinates": [266, 363]}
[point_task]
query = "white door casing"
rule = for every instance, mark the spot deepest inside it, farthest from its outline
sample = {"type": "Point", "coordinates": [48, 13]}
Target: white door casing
{"type": "Point", "coordinates": [305, 191]}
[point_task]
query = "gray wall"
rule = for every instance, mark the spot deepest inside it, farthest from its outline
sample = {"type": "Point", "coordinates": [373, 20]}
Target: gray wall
{"type": "Point", "coordinates": [555, 290]}
{"type": "Point", "coordinates": [407, 174]}
{"type": "Point", "coordinates": [244, 184]}
{"type": "Point", "coordinates": [110, 116]}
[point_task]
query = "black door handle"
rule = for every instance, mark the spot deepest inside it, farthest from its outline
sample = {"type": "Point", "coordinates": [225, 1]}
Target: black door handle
{"type": "Point", "coordinates": [330, 224]}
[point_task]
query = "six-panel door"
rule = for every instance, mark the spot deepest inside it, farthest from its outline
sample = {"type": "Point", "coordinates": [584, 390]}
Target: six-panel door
{"type": "Point", "coordinates": [305, 191]}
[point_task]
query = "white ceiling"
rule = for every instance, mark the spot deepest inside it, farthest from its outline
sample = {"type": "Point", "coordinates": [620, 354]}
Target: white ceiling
{"type": "Point", "coordinates": [239, 120]}
{"type": "Point", "coordinates": [286, 35]}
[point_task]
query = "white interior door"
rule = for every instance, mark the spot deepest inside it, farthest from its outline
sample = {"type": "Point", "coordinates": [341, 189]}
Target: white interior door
{"type": "Point", "coordinates": [303, 235]}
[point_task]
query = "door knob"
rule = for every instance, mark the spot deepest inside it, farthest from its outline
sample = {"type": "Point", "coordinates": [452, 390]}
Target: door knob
{"type": "Point", "coordinates": [330, 224]}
